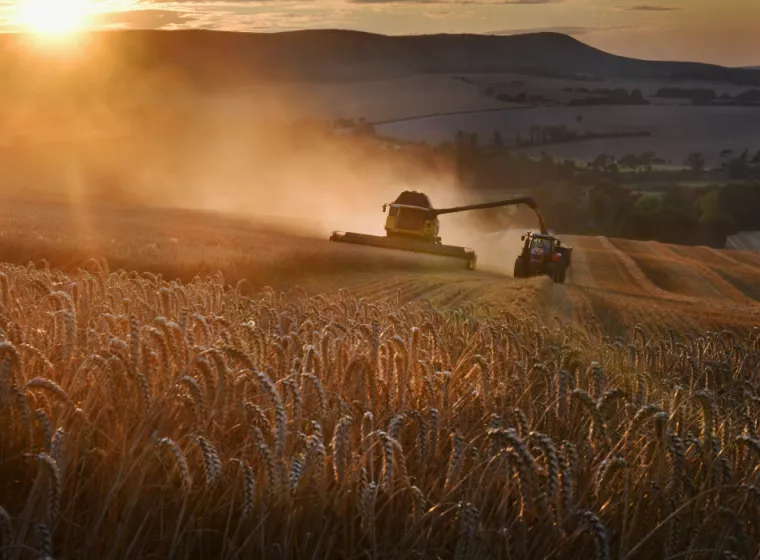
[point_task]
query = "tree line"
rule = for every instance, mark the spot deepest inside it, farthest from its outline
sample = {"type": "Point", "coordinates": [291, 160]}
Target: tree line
{"type": "Point", "coordinates": [591, 198]}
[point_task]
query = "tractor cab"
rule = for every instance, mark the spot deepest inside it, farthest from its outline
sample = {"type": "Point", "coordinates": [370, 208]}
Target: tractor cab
{"type": "Point", "coordinates": [539, 246]}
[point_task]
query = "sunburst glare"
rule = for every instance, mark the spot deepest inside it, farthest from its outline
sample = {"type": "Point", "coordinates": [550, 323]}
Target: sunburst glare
{"type": "Point", "coordinates": [55, 17]}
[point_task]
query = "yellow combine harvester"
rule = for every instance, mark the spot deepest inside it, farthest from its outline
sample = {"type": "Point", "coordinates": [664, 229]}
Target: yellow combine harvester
{"type": "Point", "coordinates": [412, 225]}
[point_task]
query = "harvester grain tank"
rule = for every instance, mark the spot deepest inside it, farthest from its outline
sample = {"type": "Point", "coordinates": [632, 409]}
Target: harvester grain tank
{"type": "Point", "coordinates": [412, 225]}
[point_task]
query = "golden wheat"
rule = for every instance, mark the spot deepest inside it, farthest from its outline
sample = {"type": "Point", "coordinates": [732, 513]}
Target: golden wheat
{"type": "Point", "coordinates": [148, 418]}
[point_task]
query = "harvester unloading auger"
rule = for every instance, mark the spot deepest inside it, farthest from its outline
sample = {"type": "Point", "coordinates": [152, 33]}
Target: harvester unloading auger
{"type": "Point", "coordinates": [412, 225]}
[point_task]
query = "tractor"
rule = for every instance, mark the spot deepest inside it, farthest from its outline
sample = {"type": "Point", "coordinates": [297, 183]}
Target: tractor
{"type": "Point", "coordinates": [543, 254]}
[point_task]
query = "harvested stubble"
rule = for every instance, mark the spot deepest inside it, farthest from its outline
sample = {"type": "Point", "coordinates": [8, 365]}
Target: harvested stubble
{"type": "Point", "coordinates": [144, 418]}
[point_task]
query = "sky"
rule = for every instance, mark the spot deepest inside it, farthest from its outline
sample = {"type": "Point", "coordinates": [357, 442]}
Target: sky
{"type": "Point", "coordinates": [724, 32]}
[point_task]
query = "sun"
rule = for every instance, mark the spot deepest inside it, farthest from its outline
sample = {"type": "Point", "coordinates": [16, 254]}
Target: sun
{"type": "Point", "coordinates": [54, 17]}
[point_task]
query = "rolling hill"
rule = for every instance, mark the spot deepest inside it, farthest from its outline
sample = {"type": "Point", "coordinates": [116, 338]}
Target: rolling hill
{"type": "Point", "coordinates": [215, 58]}
{"type": "Point", "coordinates": [615, 283]}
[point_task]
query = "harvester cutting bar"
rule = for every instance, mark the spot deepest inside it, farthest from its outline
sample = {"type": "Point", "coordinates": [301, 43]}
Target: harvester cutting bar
{"type": "Point", "coordinates": [404, 245]}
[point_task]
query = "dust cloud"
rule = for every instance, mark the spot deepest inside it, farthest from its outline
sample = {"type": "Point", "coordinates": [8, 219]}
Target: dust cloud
{"type": "Point", "coordinates": [255, 153]}
{"type": "Point", "coordinates": [313, 184]}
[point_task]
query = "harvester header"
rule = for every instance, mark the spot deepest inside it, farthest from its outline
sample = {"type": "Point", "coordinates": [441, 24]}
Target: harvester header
{"type": "Point", "coordinates": [412, 225]}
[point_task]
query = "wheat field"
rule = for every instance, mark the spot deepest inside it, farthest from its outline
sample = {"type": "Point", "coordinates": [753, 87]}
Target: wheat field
{"type": "Point", "coordinates": [147, 418]}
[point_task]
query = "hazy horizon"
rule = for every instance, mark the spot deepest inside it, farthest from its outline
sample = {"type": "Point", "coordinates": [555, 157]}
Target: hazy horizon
{"type": "Point", "coordinates": [696, 30]}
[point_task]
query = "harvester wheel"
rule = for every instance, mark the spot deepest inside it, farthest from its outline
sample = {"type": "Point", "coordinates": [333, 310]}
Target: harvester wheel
{"type": "Point", "coordinates": [519, 268]}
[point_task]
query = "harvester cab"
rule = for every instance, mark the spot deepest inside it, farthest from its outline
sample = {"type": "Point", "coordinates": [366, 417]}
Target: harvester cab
{"type": "Point", "coordinates": [411, 216]}
{"type": "Point", "coordinates": [543, 254]}
{"type": "Point", "coordinates": [412, 225]}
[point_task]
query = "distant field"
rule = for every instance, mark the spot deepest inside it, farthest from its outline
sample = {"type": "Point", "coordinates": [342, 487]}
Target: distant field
{"type": "Point", "coordinates": [746, 240]}
{"type": "Point", "coordinates": [553, 88]}
{"type": "Point", "coordinates": [372, 100]}
{"type": "Point", "coordinates": [677, 131]}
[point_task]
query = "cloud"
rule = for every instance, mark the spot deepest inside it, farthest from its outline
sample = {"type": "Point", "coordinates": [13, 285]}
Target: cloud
{"type": "Point", "coordinates": [274, 21]}
{"type": "Point", "coordinates": [144, 19]}
{"type": "Point", "coordinates": [238, 16]}
{"type": "Point", "coordinates": [646, 8]}
{"type": "Point", "coordinates": [463, 2]}
{"type": "Point", "coordinates": [230, 3]}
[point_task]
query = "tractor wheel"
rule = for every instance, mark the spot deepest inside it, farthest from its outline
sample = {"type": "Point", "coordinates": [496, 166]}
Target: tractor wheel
{"type": "Point", "coordinates": [519, 268]}
{"type": "Point", "coordinates": [562, 273]}
{"type": "Point", "coordinates": [472, 263]}
{"type": "Point", "coordinates": [552, 271]}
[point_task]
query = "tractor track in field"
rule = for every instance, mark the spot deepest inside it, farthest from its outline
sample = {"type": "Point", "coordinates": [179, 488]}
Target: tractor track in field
{"type": "Point", "coordinates": [637, 274]}
{"type": "Point", "coordinates": [742, 276]}
{"type": "Point", "coordinates": [580, 271]}
{"type": "Point", "coordinates": [627, 296]}
{"type": "Point", "coordinates": [750, 258]}
{"type": "Point", "coordinates": [722, 256]}
{"type": "Point", "coordinates": [711, 284]}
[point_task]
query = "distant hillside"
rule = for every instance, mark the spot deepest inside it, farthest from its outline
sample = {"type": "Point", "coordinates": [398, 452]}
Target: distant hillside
{"type": "Point", "coordinates": [217, 58]}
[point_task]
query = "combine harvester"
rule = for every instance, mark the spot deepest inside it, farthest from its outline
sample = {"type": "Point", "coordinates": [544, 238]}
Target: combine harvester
{"type": "Point", "coordinates": [412, 225]}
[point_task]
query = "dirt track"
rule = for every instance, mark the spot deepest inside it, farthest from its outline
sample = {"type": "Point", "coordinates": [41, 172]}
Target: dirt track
{"type": "Point", "coordinates": [616, 283]}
